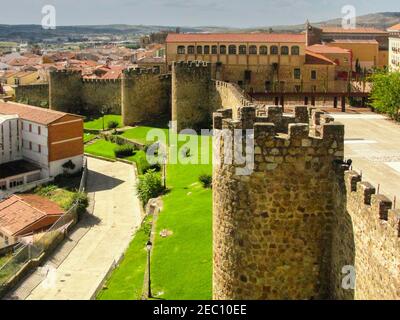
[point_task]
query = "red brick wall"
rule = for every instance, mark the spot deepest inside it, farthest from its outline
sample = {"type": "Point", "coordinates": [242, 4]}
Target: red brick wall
{"type": "Point", "coordinates": [59, 132]}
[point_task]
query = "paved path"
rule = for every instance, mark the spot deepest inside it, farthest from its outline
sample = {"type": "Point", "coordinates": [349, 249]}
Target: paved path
{"type": "Point", "coordinates": [79, 266]}
{"type": "Point", "coordinates": [373, 143]}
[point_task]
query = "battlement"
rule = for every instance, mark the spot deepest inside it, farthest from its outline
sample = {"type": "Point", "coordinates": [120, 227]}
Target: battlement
{"type": "Point", "coordinates": [362, 195]}
{"type": "Point", "coordinates": [141, 71]}
{"type": "Point", "coordinates": [66, 72]}
{"type": "Point", "coordinates": [105, 81]}
{"type": "Point", "coordinates": [268, 121]}
{"type": "Point", "coordinates": [191, 64]}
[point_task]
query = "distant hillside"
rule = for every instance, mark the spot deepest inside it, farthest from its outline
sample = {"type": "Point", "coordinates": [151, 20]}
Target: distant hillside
{"type": "Point", "coordinates": [35, 33]}
{"type": "Point", "coordinates": [382, 20]}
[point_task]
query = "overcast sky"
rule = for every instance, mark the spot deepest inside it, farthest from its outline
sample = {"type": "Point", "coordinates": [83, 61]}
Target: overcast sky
{"type": "Point", "coordinates": [233, 13]}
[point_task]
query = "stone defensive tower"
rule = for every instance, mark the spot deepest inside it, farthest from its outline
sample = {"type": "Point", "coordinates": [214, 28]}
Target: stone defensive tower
{"type": "Point", "coordinates": [65, 90]}
{"type": "Point", "coordinates": [273, 228]}
{"type": "Point", "coordinates": [145, 96]}
{"type": "Point", "coordinates": [192, 95]}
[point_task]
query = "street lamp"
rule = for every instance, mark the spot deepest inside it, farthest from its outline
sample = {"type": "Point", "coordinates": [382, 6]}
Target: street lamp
{"type": "Point", "coordinates": [102, 114]}
{"type": "Point", "coordinates": [149, 246]}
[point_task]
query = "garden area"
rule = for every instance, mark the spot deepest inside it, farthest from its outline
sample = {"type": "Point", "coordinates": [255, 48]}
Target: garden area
{"type": "Point", "coordinates": [182, 250]}
{"type": "Point", "coordinates": [97, 123]}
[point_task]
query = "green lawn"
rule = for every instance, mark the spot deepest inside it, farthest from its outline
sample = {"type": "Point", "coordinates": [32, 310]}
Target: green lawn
{"type": "Point", "coordinates": [182, 262]}
{"type": "Point", "coordinates": [97, 124]}
{"type": "Point", "coordinates": [105, 149]}
{"type": "Point", "coordinates": [87, 137]}
{"type": "Point", "coordinates": [127, 279]}
{"type": "Point", "coordinates": [139, 134]}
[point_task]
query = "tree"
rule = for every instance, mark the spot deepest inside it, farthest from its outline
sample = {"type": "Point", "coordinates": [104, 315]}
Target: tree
{"type": "Point", "coordinates": [385, 94]}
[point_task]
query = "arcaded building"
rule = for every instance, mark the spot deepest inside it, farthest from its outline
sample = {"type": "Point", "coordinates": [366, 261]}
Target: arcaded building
{"type": "Point", "coordinates": [394, 48]}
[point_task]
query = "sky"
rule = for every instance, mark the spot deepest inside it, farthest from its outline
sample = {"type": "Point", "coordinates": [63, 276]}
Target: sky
{"type": "Point", "coordinates": [230, 13]}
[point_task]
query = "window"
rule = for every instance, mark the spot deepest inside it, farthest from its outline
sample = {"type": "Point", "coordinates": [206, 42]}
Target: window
{"type": "Point", "coordinates": [295, 50]}
{"type": "Point", "coordinates": [181, 50]}
{"type": "Point", "coordinates": [206, 49]}
{"type": "Point", "coordinates": [247, 75]}
{"type": "Point", "coordinates": [284, 50]}
{"type": "Point", "coordinates": [39, 148]}
{"type": "Point", "coordinates": [191, 50]}
{"type": "Point", "coordinates": [222, 49]}
{"type": "Point", "coordinates": [214, 50]}
{"type": "Point", "coordinates": [274, 50]}
{"type": "Point", "coordinates": [232, 49]}
{"type": "Point", "coordinates": [242, 50]}
{"type": "Point", "coordinates": [263, 50]}
{"type": "Point", "coordinates": [199, 50]}
{"type": "Point", "coordinates": [30, 128]}
{"type": "Point", "coordinates": [30, 145]}
{"type": "Point", "coordinates": [313, 75]}
{"type": "Point", "coordinates": [297, 74]}
{"type": "Point", "coordinates": [39, 130]}
{"type": "Point", "coordinates": [253, 50]}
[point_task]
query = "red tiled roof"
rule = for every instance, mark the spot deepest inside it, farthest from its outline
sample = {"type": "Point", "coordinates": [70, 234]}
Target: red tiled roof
{"type": "Point", "coordinates": [19, 212]}
{"type": "Point", "coordinates": [355, 30]}
{"type": "Point", "coordinates": [31, 113]}
{"type": "Point", "coordinates": [235, 37]}
{"type": "Point", "coordinates": [395, 28]}
{"type": "Point", "coordinates": [316, 58]}
{"type": "Point", "coordinates": [320, 48]}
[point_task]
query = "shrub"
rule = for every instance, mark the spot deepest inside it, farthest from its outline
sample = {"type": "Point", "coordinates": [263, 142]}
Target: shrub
{"type": "Point", "coordinates": [149, 186]}
{"type": "Point", "coordinates": [46, 191]}
{"type": "Point", "coordinates": [112, 124]}
{"type": "Point", "coordinates": [124, 151]}
{"type": "Point", "coordinates": [69, 165]}
{"type": "Point", "coordinates": [82, 202]}
{"type": "Point", "coordinates": [206, 180]}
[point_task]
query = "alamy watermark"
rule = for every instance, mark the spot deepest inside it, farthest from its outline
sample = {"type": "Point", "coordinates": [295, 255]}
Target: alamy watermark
{"type": "Point", "coordinates": [229, 147]}
{"type": "Point", "coordinates": [349, 18]}
{"type": "Point", "coordinates": [49, 17]}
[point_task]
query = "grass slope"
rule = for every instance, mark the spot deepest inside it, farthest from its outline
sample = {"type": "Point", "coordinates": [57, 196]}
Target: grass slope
{"type": "Point", "coordinates": [127, 279]}
{"type": "Point", "coordinates": [97, 124]}
{"type": "Point", "coordinates": [182, 262]}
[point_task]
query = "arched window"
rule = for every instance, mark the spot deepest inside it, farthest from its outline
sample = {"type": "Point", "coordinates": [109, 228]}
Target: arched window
{"type": "Point", "coordinates": [190, 49]}
{"type": "Point", "coordinates": [242, 50]}
{"type": "Point", "coordinates": [232, 49]}
{"type": "Point", "coordinates": [214, 50]}
{"type": "Point", "coordinates": [253, 50]}
{"type": "Point", "coordinates": [274, 50]}
{"type": "Point", "coordinates": [199, 50]}
{"type": "Point", "coordinates": [222, 49]}
{"type": "Point", "coordinates": [263, 50]}
{"type": "Point", "coordinates": [295, 50]}
{"type": "Point", "coordinates": [284, 50]}
{"type": "Point", "coordinates": [206, 49]}
{"type": "Point", "coordinates": [181, 50]}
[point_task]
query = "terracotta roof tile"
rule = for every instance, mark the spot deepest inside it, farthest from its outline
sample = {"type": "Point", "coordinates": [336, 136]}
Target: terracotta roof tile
{"type": "Point", "coordinates": [395, 28]}
{"type": "Point", "coordinates": [19, 212]}
{"type": "Point", "coordinates": [31, 113]}
{"type": "Point", "coordinates": [235, 37]}
{"type": "Point", "coordinates": [355, 30]}
{"type": "Point", "coordinates": [317, 58]}
{"type": "Point", "coordinates": [320, 48]}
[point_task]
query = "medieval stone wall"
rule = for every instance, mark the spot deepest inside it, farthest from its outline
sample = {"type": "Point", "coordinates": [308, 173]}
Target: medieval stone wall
{"type": "Point", "coordinates": [100, 94]}
{"type": "Point", "coordinates": [366, 243]}
{"type": "Point", "coordinates": [65, 91]}
{"type": "Point", "coordinates": [35, 94]}
{"type": "Point", "coordinates": [192, 95]}
{"type": "Point", "coordinates": [273, 228]}
{"type": "Point", "coordinates": [145, 96]}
